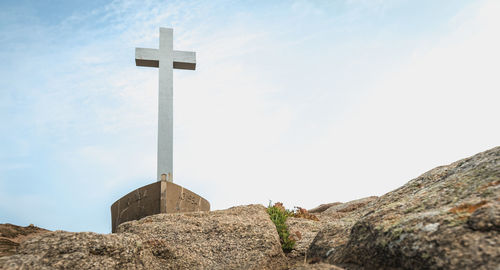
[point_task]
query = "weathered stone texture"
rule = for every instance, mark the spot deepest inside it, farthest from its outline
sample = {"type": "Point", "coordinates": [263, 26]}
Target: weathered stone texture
{"type": "Point", "coordinates": [12, 235]}
{"type": "Point", "coordinates": [238, 238]}
{"type": "Point", "coordinates": [323, 207]}
{"type": "Point", "coordinates": [316, 266]}
{"type": "Point", "coordinates": [446, 218]}
{"type": "Point", "coordinates": [67, 250]}
{"type": "Point", "coordinates": [348, 207]}
{"type": "Point", "coordinates": [303, 232]}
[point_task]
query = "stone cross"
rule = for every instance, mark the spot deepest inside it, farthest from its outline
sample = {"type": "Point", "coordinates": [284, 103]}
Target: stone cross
{"type": "Point", "coordinates": [166, 59]}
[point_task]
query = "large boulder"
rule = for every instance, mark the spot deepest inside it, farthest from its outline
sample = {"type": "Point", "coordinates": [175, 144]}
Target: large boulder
{"type": "Point", "coordinates": [237, 238]}
{"type": "Point", "coordinates": [447, 218]}
{"type": "Point", "coordinates": [240, 237]}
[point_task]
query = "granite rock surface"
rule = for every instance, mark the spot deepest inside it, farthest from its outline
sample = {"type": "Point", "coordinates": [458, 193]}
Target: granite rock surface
{"type": "Point", "coordinates": [447, 218]}
{"type": "Point", "coordinates": [303, 231]}
{"type": "Point", "coordinates": [240, 237]}
{"type": "Point", "coordinates": [237, 238]}
{"type": "Point", "coordinates": [12, 235]}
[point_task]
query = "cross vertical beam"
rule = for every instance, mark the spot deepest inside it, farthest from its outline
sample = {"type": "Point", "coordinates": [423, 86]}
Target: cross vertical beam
{"type": "Point", "coordinates": [166, 59]}
{"type": "Point", "coordinates": [165, 105]}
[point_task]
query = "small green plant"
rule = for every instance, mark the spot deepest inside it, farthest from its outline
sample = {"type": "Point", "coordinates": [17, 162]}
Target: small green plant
{"type": "Point", "coordinates": [278, 215]}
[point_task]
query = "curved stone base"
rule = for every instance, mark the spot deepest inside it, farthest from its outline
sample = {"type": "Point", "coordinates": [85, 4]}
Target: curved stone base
{"type": "Point", "coordinates": [156, 198]}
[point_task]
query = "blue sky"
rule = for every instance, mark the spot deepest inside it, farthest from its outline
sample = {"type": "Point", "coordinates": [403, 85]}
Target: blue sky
{"type": "Point", "coordinates": [305, 102]}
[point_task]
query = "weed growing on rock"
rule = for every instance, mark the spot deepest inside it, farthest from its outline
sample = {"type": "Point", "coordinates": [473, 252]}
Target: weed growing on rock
{"type": "Point", "coordinates": [278, 215]}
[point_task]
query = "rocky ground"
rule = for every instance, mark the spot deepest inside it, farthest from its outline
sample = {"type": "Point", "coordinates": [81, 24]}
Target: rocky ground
{"type": "Point", "coordinates": [238, 238]}
{"type": "Point", "coordinates": [447, 218]}
{"type": "Point", "coordinates": [11, 236]}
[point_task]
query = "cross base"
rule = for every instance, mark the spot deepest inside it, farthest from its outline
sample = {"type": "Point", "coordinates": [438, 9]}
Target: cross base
{"type": "Point", "coordinates": [156, 198]}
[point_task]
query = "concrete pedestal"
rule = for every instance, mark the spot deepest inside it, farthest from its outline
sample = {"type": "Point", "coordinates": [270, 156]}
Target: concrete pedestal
{"type": "Point", "coordinates": [156, 198]}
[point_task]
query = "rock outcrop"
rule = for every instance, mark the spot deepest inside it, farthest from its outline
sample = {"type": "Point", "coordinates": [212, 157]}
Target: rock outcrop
{"type": "Point", "coordinates": [238, 238]}
{"type": "Point", "coordinates": [447, 218]}
{"type": "Point", "coordinates": [12, 235]}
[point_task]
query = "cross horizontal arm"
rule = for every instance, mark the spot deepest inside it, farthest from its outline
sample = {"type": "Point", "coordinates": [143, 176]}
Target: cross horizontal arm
{"type": "Point", "coordinates": [147, 57]}
{"type": "Point", "coordinates": [150, 58]}
{"type": "Point", "coordinates": [184, 60]}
